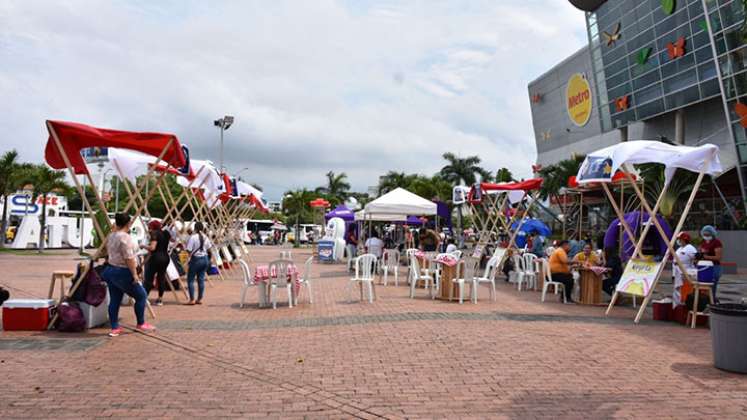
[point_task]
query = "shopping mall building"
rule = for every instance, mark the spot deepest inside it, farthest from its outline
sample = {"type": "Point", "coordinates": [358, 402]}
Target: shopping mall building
{"type": "Point", "coordinates": [652, 70]}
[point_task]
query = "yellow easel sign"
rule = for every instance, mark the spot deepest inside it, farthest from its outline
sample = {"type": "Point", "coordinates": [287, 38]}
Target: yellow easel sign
{"type": "Point", "coordinates": [638, 277]}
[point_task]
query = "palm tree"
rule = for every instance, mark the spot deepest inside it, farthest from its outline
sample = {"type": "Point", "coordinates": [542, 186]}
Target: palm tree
{"type": "Point", "coordinates": [504, 175]}
{"type": "Point", "coordinates": [462, 171]}
{"type": "Point", "coordinates": [682, 183]}
{"type": "Point", "coordinates": [337, 188]}
{"type": "Point", "coordinates": [393, 180]}
{"type": "Point", "coordinates": [10, 181]}
{"type": "Point", "coordinates": [555, 177]}
{"type": "Point", "coordinates": [45, 181]}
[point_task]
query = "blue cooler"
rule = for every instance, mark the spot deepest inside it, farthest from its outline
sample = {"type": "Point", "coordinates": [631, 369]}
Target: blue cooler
{"type": "Point", "coordinates": [326, 251]}
{"type": "Point", "coordinates": [705, 271]}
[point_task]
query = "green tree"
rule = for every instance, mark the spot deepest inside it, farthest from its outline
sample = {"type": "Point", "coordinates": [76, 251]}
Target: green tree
{"type": "Point", "coordinates": [11, 179]}
{"type": "Point", "coordinates": [393, 180]}
{"type": "Point", "coordinates": [682, 183]}
{"type": "Point", "coordinates": [555, 177]}
{"type": "Point", "coordinates": [431, 188]}
{"type": "Point", "coordinates": [45, 181]}
{"type": "Point", "coordinates": [504, 175]}
{"type": "Point", "coordinates": [337, 188]}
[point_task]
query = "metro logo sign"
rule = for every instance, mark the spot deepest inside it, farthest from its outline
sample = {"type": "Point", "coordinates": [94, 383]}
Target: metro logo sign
{"type": "Point", "coordinates": [579, 102]}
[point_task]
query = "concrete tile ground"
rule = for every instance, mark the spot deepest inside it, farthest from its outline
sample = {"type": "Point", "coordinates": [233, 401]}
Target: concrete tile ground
{"type": "Point", "coordinates": [395, 358]}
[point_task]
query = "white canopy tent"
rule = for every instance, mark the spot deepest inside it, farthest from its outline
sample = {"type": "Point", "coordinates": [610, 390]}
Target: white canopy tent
{"type": "Point", "coordinates": [361, 216]}
{"type": "Point", "coordinates": [399, 202]}
{"type": "Point", "coordinates": [395, 206]}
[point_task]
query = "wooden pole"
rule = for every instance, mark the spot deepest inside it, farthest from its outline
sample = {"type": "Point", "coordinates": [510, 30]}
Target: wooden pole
{"type": "Point", "coordinates": [670, 242]}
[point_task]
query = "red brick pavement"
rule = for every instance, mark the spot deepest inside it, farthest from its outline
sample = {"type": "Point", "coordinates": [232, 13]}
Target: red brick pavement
{"type": "Point", "coordinates": [395, 358]}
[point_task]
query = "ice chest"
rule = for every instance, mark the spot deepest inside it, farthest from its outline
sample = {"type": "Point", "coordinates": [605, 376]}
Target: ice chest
{"type": "Point", "coordinates": [27, 314]}
{"type": "Point", "coordinates": [705, 271]}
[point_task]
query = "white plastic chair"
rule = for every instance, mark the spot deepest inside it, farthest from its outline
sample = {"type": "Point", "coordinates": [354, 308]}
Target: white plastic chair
{"type": "Point", "coordinates": [280, 281]}
{"type": "Point", "coordinates": [305, 280]}
{"type": "Point", "coordinates": [248, 282]}
{"type": "Point", "coordinates": [390, 262]}
{"type": "Point", "coordinates": [465, 274]}
{"type": "Point", "coordinates": [365, 268]}
{"type": "Point", "coordinates": [516, 275]}
{"type": "Point", "coordinates": [488, 277]}
{"type": "Point", "coordinates": [418, 275]}
{"type": "Point", "coordinates": [528, 274]}
{"type": "Point", "coordinates": [409, 253]}
{"type": "Point", "coordinates": [548, 281]}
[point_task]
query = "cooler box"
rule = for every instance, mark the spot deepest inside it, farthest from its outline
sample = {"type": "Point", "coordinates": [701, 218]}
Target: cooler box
{"type": "Point", "coordinates": [705, 271]}
{"type": "Point", "coordinates": [326, 250]}
{"type": "Point", "coordinates": [27, 314]}
{"type": "Point", "coordinates": [662, 310]}
{"type": "Point", "coordinates": [96, 315]}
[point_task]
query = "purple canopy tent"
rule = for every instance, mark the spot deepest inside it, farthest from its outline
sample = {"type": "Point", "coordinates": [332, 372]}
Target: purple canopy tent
{"type": "Point", "coordinates": [342, 212]}
{"type": "Point", "coordinates": [636, 223]}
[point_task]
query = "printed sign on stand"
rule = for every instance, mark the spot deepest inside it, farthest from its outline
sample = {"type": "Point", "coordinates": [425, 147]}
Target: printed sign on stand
{"type": "Point", "coordinates": [638, 277]}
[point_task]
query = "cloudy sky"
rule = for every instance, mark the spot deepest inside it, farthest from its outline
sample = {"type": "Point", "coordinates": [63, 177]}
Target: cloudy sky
{"type": "Point", "coordinates": [353, 86]}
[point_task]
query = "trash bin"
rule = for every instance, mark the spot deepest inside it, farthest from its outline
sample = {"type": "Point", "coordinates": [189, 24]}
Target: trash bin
{"type": "Point", "coordinates": [729, 336]}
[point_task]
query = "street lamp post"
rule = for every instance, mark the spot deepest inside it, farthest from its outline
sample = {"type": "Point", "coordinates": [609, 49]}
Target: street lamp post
{"type": "Point", "coordinates": [223, 123]}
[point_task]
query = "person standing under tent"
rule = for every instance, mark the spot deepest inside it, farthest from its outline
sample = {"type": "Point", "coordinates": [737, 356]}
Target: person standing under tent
{"type": "Point", "coordinates": [158, 259]}
{"type": "Point", "coordinates": [561, 270]}
{"type": "Point", "coordinates": [374, 245]}
{"type": "Point", "coordinates": [574, 247]}
{"type": "Point", "coordinates": [538, 245]}
{"type": "Point", "coordinates": [351, 241]}
{"type": "Point", "coordinates": [711, 249]}
{"type": "Point", "coordinates": [199, 262]}
{"type": "Point", "coordinates": [613, 263]}
{"type": "Point", "coordinates": [686, 253]}
{"type": "Point", "coordinates": [121, 275]}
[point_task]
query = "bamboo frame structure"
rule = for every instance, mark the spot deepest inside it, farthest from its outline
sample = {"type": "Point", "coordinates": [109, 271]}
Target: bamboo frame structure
{"type": "Point", "coordinates": [98, 198]}
{"type": "Point", "coordinates": [652, 212]}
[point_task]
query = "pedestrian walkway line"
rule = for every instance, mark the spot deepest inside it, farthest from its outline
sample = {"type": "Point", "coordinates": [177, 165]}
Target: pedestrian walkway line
{"type": "Point", "coordinates": [313, 392]}
{"type": "Point", "coordinates": [233, 325]}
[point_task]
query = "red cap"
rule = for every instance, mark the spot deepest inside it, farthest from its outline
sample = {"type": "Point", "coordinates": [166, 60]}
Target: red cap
{"type": "Point", "coordinates": [154, 225]}
{"type": "Point", "coordinates": [684, 236]}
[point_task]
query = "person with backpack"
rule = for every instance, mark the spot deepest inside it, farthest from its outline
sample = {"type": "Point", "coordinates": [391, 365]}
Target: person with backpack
{"type": "Point", "coordinates": [121, 275]}
{"type": "Point", "coordinates": [197, 245]}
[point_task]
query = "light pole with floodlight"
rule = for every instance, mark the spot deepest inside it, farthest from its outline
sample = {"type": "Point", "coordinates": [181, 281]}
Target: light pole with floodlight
{"type": "Point", "coordinates": [223, 123]}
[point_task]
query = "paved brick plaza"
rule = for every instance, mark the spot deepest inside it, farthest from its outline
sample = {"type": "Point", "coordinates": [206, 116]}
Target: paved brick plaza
{"type": "Point", "coordinates": [395, 358]}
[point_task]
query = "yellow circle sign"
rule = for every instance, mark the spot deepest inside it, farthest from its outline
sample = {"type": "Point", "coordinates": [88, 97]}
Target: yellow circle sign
{"type": "Point", "coordinates": [578, 94]}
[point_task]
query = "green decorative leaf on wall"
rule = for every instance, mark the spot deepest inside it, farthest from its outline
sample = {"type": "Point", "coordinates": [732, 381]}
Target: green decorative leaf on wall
{"type": "Point", "coordinates": [667, 6]}
{"type": "Point", "coordinates": [643, 55]}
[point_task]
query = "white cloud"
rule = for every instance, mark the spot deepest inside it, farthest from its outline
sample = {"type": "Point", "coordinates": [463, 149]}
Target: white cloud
{"type": "Point", "coordinates": [354, 86]}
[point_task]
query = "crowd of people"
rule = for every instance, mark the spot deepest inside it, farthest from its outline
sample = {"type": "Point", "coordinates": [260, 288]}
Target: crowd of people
{"type": "Point", "coordinates": [568, 255]}
{"type": "Point", "coordinates": [126, 274]}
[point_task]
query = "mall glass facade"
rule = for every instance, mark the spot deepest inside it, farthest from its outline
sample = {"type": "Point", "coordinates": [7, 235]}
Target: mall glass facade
{"type": "Point", "coordinates": [729, 28]}
{"type": "Point", "coordinates": [647, 65]}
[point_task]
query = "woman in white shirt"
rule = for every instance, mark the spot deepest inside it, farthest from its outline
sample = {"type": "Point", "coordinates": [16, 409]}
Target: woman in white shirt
{"type": "Point", "coordinates": [198, 245]}
{"type": "Point", "coordinates": [686, 253]}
